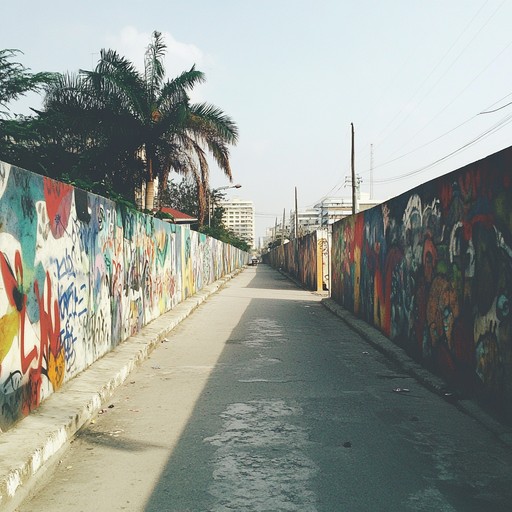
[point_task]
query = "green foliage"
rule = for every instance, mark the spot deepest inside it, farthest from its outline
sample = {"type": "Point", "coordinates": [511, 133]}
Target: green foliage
{"type": "Point", "coordinates": [275, 243]}
{"type": "Point", "coordinates": [19, 136]}
{"type": "Point", "coordinates": [182, 196]}
{"type": "Point", "coordinates": [140, 122]}
{"type": "Point", "coordinates": [100, 188]}
{"type": "Point", "coordinates": [115, 128]}
{"type": "Point", "coordinates": [163, 215]}
{"type": "Point", "coordinates": [15, 79]}
{"type": "Point", "coordinates": [226, 235]}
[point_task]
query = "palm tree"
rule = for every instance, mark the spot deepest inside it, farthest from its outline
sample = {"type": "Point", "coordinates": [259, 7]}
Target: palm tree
{"type": "Point", "coordinates": [147, 120]}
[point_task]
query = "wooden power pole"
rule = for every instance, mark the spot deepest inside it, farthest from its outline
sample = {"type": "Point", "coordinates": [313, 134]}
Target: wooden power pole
{"type": "Point", "coordinates": [284, 220]}
{"type": "Point", "coordinates": [371, 171]}
{"type": "Point", "coordinates": [296, 216]}
{"type": "Point", "coordinates": [354, 185]}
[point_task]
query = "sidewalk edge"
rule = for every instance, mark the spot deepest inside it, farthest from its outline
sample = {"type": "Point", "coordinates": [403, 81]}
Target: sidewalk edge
{"type": "Point", "coordinates": [422, 375]}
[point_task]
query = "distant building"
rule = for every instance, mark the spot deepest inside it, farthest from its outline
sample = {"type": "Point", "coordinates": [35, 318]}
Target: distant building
{"type": "Point", "coordinates": [332, 209]}
{"type": "Point", "coordinates": [308, 221]}
{"type": "Point", "coordinates": [324, 214]}
{"type": "Point", "coordinates": [365, 203]}
{"type": "Point", "coordinates": [239, 218]}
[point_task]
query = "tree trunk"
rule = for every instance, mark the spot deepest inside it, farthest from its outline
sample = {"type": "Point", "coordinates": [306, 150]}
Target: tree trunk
{"type": "Point", "coordinates": [150, 195]}
{"type": "Point", "coordinates": [202, 203]}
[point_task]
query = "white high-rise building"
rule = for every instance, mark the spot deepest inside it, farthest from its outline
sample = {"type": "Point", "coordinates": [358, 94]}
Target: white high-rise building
{"type": "Point", "coordinates": [322, 215]}
{"type": "Point", "coordinates": [239, 218]}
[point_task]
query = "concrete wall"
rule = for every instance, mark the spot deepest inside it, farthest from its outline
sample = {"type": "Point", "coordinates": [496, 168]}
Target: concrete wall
{"type": "Point", "coordinates": [432, 269]}
{"type": "Point", "coordinates": [78, 275]}
{"type": "Point", "coordinates": [305, 258]}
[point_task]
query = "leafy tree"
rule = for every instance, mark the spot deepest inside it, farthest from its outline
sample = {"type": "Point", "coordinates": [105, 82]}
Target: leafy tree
{"type": "Point", "coordinates": [275, 243]}
{"type": "Point", "coordinates": [183, 197]}
{"type": "Point", "coordinates": [226, 235]}
{"type": "Point", "coordinates": [17, 133]}
{"type": "Point", "coordinates": [139, 125]}
{"type": "Point", "coordinates": [15, 80]}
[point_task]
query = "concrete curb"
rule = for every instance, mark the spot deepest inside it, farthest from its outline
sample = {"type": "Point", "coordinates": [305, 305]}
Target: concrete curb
{"type": "Point", "coordinates": [423, 376]}
{"type": "Point", "coordinates": [32, 445]}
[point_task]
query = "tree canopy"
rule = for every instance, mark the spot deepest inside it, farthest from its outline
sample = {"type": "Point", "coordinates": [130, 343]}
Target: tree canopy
{"type": "Point", "coordinates": [16, 80]}
{"type": "Point", "coordinates": [183, 196]}
{"type": "Point", "coordinates": [115, 129]}
{"type": "Point", "coordinates": [146, 123]}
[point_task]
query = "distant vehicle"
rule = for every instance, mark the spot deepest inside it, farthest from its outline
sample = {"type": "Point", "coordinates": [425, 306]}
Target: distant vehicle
{"type": "Point", "coordinates": [254, 261]}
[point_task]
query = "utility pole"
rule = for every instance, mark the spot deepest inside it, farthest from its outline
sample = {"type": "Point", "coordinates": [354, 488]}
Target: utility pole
{"type": "Point", "coordinates": [284, 219]}
{"type": "Point", "coordinates": [371, 171]}
{"type": "Point", "coordinates": [353, 173]}
{"type": "Point", "coordinates": [296, 216]}
{"type": "Point", "coordinates": [275, 231]}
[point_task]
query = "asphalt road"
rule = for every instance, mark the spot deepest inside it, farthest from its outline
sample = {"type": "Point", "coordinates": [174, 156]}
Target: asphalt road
{"type": "Point", "coordinates": [263, 400]}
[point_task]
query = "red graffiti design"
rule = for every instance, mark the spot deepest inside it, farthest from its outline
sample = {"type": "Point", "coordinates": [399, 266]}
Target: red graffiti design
{"type": "Point", "coordinates": [51, 349]}
{"type": "Point", "coordinates": [13, 282]}
{"type": "Point", "coordinates": [58, 205]}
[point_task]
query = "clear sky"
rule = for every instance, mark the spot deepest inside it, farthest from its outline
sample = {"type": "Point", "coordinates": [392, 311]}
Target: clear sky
{"type": "Point", "coordinates": [412, 75]}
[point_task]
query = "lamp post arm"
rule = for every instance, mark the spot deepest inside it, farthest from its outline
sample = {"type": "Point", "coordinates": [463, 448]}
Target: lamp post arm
{"type": "Point", "coordinates": [211, 198]}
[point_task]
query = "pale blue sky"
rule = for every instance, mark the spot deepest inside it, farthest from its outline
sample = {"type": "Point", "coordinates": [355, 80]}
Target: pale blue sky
{"type": "Point", "coordinates": [294, 74]}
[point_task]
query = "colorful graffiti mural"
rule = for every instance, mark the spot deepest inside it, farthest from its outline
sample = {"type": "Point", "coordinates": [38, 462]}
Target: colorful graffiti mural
{"type": "Point", "coordinates": [432, 269]}
{"type": "Point", "coordinates": [78, 275]}
{"type": "Point", "coordinates": [305, 258]}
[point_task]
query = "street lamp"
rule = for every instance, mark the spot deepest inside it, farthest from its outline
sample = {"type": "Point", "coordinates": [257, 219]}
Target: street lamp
{"type": "Point", "coordinates": [212, 192]}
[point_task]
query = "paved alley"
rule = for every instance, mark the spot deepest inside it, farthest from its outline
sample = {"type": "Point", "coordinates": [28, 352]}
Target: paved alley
{"type": "Point", "coordinates": [263, 400]}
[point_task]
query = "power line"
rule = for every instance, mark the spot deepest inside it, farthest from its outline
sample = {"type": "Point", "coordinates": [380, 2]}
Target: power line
{"type": "Point", "coordinates": [420, 147]}
{"type": "Point", "coordinates": [506, 120]}
{"type": "Point", "coordinates": [489, 131]}
{"type": "Point", "coordinates": [496, 109]}
{"type": "Point", "coordinates": [486, 111]}
{"type": "Point", "coordinates": [498, 101]}
{"type": "Point", "coordinates": [436, 67]}
{"type": "Point", "coordinates": [457, 96]}
{"type": "Point", "coordinates": [403, 146]}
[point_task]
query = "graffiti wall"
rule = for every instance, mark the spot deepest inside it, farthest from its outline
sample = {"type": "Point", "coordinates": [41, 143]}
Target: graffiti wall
{"type": "Point", "coordinates": [305, 258]}
{"type": "Point", "coordinates": [432, 269]}
{"type": "Point", "coordinates": [80, 274]}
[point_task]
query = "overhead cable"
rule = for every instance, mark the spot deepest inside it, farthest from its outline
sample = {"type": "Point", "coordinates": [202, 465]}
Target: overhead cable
{"type": "Point", "coordinates": [506, 120]}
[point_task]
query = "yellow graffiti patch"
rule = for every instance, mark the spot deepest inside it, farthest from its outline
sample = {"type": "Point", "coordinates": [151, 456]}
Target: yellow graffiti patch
{"type": "Point", "coordinates": [56, 369]}
{"type": "Point", "coordinates": [9, 325]}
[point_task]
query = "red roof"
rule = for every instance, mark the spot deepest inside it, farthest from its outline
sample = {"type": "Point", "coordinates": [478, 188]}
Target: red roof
{"type": "Point", "coordinates": [179, 217]}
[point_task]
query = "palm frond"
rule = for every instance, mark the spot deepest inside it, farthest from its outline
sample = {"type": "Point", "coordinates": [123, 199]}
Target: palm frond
{"type": "Point", "coordinates": [118, 121]}
{"type": "Point", "coordinates": [176, 90]}
{"type": "Point", "coordinates": [217, 120]}
{"type": "Point", "coordinates": [116, 80]}
{"type": "Point", "coordinates": [154, 71]}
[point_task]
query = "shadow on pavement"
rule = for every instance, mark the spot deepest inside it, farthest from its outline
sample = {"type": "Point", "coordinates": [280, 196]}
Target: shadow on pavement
{"type": "Point", "coordinates": [296, 415]}
{"type": "Point", "coordinates": [262, 281]}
